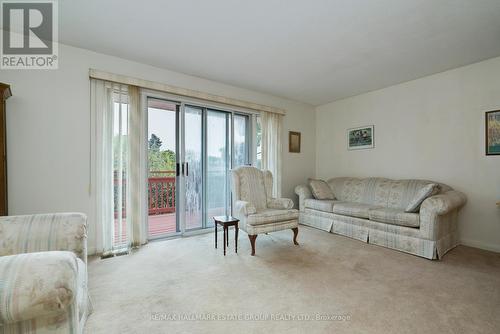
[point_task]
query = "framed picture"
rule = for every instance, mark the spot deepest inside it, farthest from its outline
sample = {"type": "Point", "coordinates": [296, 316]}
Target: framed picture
{"type": "Point", "coordinates": [493, 132]}
{"type": "Point", "coordinates": [361, 138]}
{"type": "Point", "coordinates": [294, 142]}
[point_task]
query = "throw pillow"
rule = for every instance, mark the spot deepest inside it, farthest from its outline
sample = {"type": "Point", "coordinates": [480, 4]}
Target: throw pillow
{"type": "Point", "coordinates": [427, 191]}
{"type": "Point", "coordinates": [320, 189]}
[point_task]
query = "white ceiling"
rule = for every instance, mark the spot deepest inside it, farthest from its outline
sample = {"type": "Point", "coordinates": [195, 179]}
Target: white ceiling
{"type": "Point", "coordinates": [314, 51]}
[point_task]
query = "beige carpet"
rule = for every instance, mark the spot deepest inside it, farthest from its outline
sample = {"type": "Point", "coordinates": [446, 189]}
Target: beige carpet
{"type": "Point", "coordinates": [375, 289]}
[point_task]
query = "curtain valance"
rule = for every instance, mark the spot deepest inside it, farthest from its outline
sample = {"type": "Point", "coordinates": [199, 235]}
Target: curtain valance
{"type": "Point", "coordinates": [122, 79]}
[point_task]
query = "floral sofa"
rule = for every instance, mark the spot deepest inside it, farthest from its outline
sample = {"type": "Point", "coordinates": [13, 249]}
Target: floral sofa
{"type": "Point", "coordinates": [43, 274]}
{"type": "Point", "coordinates": [373, 210]}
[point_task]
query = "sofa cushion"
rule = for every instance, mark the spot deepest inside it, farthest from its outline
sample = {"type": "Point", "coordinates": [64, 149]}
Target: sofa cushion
{"type": "Point", "coordinates": [382, 192]}
{"type": "Point", "coordinates": [267, 216]}
{"type": "Point", "coordinates": [353, 209]}
{"type": "Point", "coordinates": [325, 205]}
{"type": "Point", "coordinates": [426, 191]}
{"type": "Point", "coordinates": [320, 189]}
{"type": "Point", "coordinates": [394, 217]}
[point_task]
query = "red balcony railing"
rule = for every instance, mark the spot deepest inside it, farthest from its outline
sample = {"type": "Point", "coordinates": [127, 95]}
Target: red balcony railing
{"type": "Point", "coordinates": [161, 193]}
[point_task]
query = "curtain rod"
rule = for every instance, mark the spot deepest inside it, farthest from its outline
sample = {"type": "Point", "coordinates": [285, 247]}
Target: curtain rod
{"type": "Point", "coordinates": [118, 78]}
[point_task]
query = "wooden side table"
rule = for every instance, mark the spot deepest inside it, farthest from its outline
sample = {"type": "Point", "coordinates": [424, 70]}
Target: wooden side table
{"type": "Point", "coordinates": [225, 222]}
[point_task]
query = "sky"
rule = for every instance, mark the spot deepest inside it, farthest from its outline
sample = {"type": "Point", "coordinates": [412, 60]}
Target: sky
{"type": "Point", "coordinates": [162, 123]}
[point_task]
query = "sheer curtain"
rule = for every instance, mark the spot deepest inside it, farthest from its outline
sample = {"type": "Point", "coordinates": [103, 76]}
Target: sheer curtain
{"type": "Point", "coordinates": [272, 147]}
{"type": "Point", "coordinates": [110, 113]}
{"type": "Point", "coordinates": [136, 136]}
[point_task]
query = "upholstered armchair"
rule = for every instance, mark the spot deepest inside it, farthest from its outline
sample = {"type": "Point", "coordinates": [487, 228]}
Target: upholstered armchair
{"type": "Point", "coordinates": [43, 274]}
{"type": "Point", "coordinates": [255, 207]}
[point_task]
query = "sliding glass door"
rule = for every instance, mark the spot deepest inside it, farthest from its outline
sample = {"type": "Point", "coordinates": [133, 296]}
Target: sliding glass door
{"type": "Point", "coordinates": [192, 168]}
{"type": "Point", "coordinates": [190, 152]}
{"type": "Point", "coordinates": [218, 164]}
{"type": "Point", "coordinates": [241, 135]}
{"type": "Point", "coordinates": [162, 157]}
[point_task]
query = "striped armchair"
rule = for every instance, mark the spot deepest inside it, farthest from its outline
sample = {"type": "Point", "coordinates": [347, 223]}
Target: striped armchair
{"type": "Point", "coordinates": [43, 274]}
{"type": "Point", "coordinates": [255, 207]}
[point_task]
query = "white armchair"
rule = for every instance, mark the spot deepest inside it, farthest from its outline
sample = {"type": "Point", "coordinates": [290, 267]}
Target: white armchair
{"type": "Point", "coordinates": [255, 207]}
{"type": "Point", "coordinates": [43, 274]}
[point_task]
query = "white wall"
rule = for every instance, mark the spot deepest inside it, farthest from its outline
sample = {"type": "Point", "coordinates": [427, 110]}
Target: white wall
{"type": "Point", "coordinates": [430, 128]}
{"type": "Point", "coordinates": [49, 130]}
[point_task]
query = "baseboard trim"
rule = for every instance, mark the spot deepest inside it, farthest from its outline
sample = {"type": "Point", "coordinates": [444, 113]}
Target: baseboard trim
{"type": "Point", "coordinates": [91, 251]}
{"type": "Point", "coordinates": [465, 242]}
{"type": "Point", "coordinates": [480, 244]}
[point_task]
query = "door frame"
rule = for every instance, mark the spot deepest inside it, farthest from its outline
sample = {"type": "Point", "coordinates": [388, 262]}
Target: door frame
{"type": "Point", "coordinates": [144, 168]}
{"type": "Point", "coordinates": [181, 103]}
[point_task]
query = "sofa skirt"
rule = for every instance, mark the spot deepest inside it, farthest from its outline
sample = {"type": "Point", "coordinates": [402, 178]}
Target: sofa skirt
{"type": "Point", "coordinates": [403, 239]}
{"type": "Point", "coordinates": [322, 223]}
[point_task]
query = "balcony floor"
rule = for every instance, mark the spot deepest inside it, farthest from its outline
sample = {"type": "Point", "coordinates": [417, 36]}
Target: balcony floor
{"type": "Point", "coordinates": [165, 224]}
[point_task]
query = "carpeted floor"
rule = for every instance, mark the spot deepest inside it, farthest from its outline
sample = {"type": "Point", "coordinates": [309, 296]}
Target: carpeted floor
{"type": "Point", "coordinates": [355, 287]}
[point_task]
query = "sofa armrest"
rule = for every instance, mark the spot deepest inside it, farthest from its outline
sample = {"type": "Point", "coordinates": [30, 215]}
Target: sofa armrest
{"type": "Point", "coordinates": [280, 203]}
{"type": "Point", "coordinates": [36, 285]}
{"type": "Point", "coordinates": [243, 208]}
{"type": "Point", "coordinates": [44, 232]}
{"type": "Point", "coordinates": [304, 193]}
{"type": "Point", "coordinates": [439, 214]}
{"type": "Point", "coordinates": [443, 203]}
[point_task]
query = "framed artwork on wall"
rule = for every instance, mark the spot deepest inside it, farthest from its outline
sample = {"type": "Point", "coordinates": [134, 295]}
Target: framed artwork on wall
{"type": "Point", "coordinates": [294, 142]}
{"type": "Point", "coordinates": [361, 138]}
{"type": "Point", "coordinates": [492, 132]}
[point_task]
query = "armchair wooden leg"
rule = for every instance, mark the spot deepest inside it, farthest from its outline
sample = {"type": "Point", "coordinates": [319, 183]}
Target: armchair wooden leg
{"type": "Point", "coordinates": [295, 233]}
{"type": "Point", "coordinates": [252, 242]}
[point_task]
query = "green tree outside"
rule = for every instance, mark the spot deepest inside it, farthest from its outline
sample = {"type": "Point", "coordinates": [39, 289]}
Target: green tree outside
{"type": "Point", "coordinates": [159, 160]}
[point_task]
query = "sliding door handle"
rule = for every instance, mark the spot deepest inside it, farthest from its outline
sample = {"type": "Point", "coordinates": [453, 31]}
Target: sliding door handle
{"type": "Point", "coordinates": [187, 168]}
{"type": "Point", "coordinates": [177, 169]}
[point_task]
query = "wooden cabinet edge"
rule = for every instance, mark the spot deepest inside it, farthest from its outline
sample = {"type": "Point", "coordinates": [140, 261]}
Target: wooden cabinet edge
{"type": "Point", "coordinates": [5, 93]}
